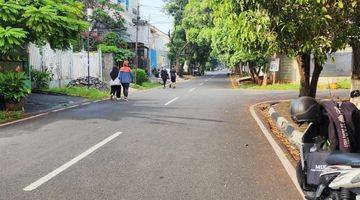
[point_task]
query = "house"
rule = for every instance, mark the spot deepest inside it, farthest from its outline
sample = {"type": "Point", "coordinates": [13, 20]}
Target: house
{"type": "Point", "coordinates": [152, 42]}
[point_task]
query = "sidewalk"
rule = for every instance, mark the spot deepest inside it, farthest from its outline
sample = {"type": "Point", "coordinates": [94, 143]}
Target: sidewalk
{"type": "Point", "coordinates": [37, 103]}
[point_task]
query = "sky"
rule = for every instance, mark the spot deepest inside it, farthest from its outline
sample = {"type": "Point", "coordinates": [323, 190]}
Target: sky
{"type": "Point", "coordinates": [158, 17]}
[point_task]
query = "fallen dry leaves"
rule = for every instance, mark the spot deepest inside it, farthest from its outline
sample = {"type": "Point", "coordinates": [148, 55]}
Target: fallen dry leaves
{"type": "Point", "coordinates": [295, 154]}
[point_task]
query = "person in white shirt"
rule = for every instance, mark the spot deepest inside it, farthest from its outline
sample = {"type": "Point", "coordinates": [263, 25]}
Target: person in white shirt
{"type": "Point", "coordinates": [115, 84]}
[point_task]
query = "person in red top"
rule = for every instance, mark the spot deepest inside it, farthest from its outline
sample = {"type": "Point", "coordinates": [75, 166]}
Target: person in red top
{"type": "Point", "coordinates": [125, 77]}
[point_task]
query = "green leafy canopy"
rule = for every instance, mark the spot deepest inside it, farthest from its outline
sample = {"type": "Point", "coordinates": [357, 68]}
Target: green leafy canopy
{"type": "Point", "coordinates": [57, 22]}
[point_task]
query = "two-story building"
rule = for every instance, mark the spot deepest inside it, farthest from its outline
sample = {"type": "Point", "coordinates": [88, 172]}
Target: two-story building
{"type": "Point", "coordinates": [152, 42]}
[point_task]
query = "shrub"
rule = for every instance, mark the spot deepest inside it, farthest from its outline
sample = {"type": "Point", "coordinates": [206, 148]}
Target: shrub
{"type": "Point", "coordinates": [13, 87]}
{"type": "Point", "coordinates": [141, 76]}
{"type": "Point", "coordinates": [120, 54]}
{"type": "Point", "coordinates": [41, 79]}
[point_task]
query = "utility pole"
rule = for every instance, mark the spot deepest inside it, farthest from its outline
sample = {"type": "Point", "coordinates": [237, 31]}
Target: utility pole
{"type": "Point", "coordinates": [89, 15]}
{"type": "Point", "coordinates": [137, 39]}
{"type": "Point", "coordinates": [88, 57]}
{"type": "Point", "coordinates": [148, 53]}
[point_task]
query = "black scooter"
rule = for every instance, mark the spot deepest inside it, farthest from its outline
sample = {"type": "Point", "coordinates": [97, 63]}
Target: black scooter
{"type": "Point", "coordinates": [322, 173]}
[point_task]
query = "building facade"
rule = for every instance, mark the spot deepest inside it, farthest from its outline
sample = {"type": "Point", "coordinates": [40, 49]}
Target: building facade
{"type": "Point", "coordinates": [152, 42]}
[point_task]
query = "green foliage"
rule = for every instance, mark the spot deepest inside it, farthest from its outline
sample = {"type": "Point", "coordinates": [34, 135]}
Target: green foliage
{"type": "Point", "coordinates": [141, 76]}
{"type": "Point", "coordinates": [178, 41]}
{"type": "Point", "coordinates": [108, 49]}
{"type": "Point", "coordinates": [146, 85]}
{"type": "Point", "coordinates": [240, 31]}
{"type": "Point", "coordinates": [120, 54]}
{"type": "Point", "coordinates": [10, 37]}
{"type": "Point", "coordinates": [114, 39]}
{"type": "Point", "coordinates": [107, 25]}
{"type": "Point", "coordinates": [342, 84]}
{"type": "Point", "coordinates": [55, 22]}
{"type": "Point", "coordinates": [13, 87]}
{"type": "Point", "coordinates": [114, 43]}
{"type": "Point", "coordinates": [104, 20]}
{"type": "Point", "coordinates": [41, 79]}
{"type": "Point", "coordinates": [198, 22]}
{"type": "Point", "coordinates": [123, 54]}
{"type": "Point", "coordinates": [10, 115]}
{"type": "Point", "coordinates": [283, 86]}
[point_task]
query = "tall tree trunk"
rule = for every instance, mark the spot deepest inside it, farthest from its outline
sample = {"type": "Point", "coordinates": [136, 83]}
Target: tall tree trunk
{"type": "Point", "coordinates": [315, 78]}
{"type": "Point", "coordinates": [355, 77]}
{"type": "Point", "coordinates": [240, 69]}
{"type": "Point", "coordinates": [257, 76]}
{"type": "Point", "coordinates": [265, 79]}
{"type": "Point", "coordinates": [252, 73]}
{"type": "Point", "coordinates": [177, 64]}
{"type": "Point", "coordinates": [303, 61]}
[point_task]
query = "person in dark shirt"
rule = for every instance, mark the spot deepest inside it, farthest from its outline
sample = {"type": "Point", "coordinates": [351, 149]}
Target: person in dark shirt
{"type": "Point", "coordinates": [172, 77]}
{"type": "Point", "coordinates": [164, 76]}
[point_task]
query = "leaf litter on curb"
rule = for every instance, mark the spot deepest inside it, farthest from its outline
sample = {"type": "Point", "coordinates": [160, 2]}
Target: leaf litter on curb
{"type": "Point", "coordinates": [295, 154]}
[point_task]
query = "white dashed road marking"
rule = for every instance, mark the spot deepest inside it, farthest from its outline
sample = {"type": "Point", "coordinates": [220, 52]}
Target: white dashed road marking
{"type": "Point", "coordinates": [192, 89]}
{"type": "Point", "coordinates": [63, 167]}
{"type": "Point", "coordinates": [176, 98]}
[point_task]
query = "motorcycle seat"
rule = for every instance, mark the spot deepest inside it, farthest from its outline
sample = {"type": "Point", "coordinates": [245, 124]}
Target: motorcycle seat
{"type": "Point", "coordinates": [340, 158]}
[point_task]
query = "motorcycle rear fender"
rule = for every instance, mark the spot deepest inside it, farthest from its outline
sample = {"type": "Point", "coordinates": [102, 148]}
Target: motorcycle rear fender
{"type": "Point", "coordinates": [344, 178]}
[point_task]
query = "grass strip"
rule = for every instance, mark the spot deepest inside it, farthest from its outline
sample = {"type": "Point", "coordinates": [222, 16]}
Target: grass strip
{"type": "Point", "coordinates": [89, 93]}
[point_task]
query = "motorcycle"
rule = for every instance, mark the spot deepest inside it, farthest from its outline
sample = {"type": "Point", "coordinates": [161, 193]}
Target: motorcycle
{"type": "Point", "coordinates": [321, 173]}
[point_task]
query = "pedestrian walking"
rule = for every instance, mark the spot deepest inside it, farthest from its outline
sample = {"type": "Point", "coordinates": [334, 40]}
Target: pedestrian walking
{"type": "Point", "coordinates": [164, 76]}
{"type": "Point", "coordinates": [125, 77]}
{"type": "Point", "coordinates": [172, 77]}
{"type": "Point", "coordinates": [115, 84]}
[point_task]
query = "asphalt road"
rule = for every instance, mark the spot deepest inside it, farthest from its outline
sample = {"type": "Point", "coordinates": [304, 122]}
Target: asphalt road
{"type": "Point", "coordinates": [197, 141]}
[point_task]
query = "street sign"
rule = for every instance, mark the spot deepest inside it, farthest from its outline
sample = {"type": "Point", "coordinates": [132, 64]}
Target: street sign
{"type": "Point", "coordinates": [275, 65]}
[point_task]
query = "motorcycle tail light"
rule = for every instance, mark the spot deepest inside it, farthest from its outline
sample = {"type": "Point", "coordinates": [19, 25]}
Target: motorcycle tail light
{"type": "Point", "coordinates": [356, 179]}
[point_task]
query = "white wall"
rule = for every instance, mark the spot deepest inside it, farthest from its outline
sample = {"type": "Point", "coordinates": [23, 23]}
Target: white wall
{"type": "Point", "coordinates": [65, 65]}
{"type": "Point", "coordinates": [158, 41]}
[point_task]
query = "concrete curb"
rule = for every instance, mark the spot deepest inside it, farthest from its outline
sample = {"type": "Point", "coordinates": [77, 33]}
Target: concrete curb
{"type": "Point", "coordinates": [289, 168]}
{"type": "Point", "coordinates": [293, 135]}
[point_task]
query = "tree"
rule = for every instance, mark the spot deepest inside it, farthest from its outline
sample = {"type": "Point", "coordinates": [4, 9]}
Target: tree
{"type": "Point", "coordinates": [197, 23]}
{"type": "Point", "coordinates": [113, 43]}
{"type": "Point", "coordinates": [303, 28]}
{"type": "Point", "coordinates": [58, 23]}
{"type": "Point", "coordinates": [177, 46]}
{"type": "Point", "coordinates": [347, 17]}
{"type": "Point", "coordinates": [106, 17]}
{"type": "Point", "coordinates": [250, 31]}
{"type": "Point", "coordinates": [237, 34]}
{"type": "Point", "coordinates": [178, 42]}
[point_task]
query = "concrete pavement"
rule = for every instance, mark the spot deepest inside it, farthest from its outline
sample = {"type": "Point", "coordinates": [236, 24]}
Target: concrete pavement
{"type": "Point", "coordinates": [38, 103]}
{"type": "Point", "coordinates": [197, 141]}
